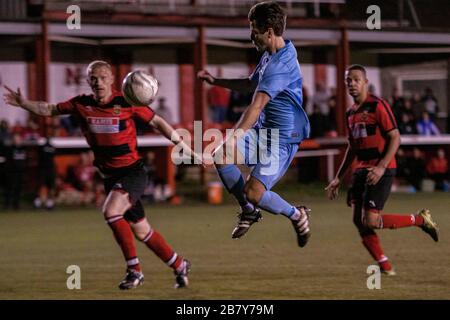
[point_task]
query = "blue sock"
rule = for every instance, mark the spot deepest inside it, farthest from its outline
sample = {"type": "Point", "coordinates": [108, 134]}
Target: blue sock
{"type": "Point", "coordinates": [234, 182]}
{"type": "Point", "coordinates": [273, 203]}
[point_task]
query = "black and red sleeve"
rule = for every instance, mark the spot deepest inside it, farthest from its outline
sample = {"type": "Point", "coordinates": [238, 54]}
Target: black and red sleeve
{"type": "Point", "coordinates": [385, 117]}
{"type": "Point", "coordinates": [144, 113]}
{"type": "Point", "coordinates": [67, 107]}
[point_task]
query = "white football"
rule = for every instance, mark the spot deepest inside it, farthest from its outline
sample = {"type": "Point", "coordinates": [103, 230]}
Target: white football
{"type": "Point", "coordinates": [139, 88]}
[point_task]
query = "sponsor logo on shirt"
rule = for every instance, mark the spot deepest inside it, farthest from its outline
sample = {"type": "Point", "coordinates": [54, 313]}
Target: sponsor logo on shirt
{"type": "Point", "coordinates": [359, 130]}
{"type": "Point", "coordinates": [264, 66]}
{"type": "Point", "coordinates": [103, 125]}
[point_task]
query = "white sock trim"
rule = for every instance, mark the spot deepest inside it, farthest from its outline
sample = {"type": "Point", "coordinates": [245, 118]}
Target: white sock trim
{"type": "Point", "coordinates": [113, 219]}
{"type": "Point", "coordinates": [148, 236]}
{"type": "Point", "coordinates": [133, 262]}
{"type": "Point", "coordinates": [173, 259]}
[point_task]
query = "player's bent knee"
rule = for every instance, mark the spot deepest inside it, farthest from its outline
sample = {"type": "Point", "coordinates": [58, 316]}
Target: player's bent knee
{"type": "Point", "coordinates": [142, 230]}
{"type": "Point", "coordinates": [144, 236]}
{"type": "Point", "coordinates": [372, 225]}
{"type": "Point", "coordinates": [116, 204]}
{"type": "Point", "coordinates": [253, 195]}
{"type": "Point", "coordinates": [110, 212]}
{"type": "Point", "coordinates": [372, 220]}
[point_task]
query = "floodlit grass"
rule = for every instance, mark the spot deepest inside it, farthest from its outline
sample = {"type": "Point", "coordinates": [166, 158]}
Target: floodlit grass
{"type": "Point", "coordinates": [37, 247]}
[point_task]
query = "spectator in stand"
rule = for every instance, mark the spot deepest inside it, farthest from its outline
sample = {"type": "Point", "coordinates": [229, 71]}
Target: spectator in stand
{"type": "Point", "coordinates": [2, 166]}
{"type": "Point", "coordinates": [402, 164]}
{"type": "Point", "coordinates": [17, 128]}
{"type": "Point", "coordinates": [408, 109]}
{"type": "Point", "coordinates": [164, 111]}
{"type": "Point", "coordinates": [5, 138]}
{"type": "Point", "coordinates": [66, 193]}
{"type": "Point", "coordinates": [319, 123]}
{"type": "Point", "coordinates": [332, 103]}
{"type": "Point", "coordinates": [57, 130]}
{"type": "Point", "coordinates": [430, 103]}
{"type": "Point", "coordinates": [239, 101]}
{"type": "Point", "coordinates": [396, 102]}
{"type": "Point", "coordinates": [5, 133]}
{"type": "Point", "coordinates": [82, 176]}
{"type": "Point", "coordinates": [305, 96]}
{"type": "Point", "coordinates": [156, 189]}
{"type": "Point", "coordinates": [407, 124]}
{"type": "Point", "coordinates": [15, 168]}
{"type": "Point", "coordinates": [47, 176]}
{"type": "Point", "coordinates": [417, 106]}
{"type": "Point", "coordinates": [218, 100]}
{"type": "Point", "coordinates": [437, 170]}
{"type": "Point", "coordinates": [415, 169]}
{"type": "Point", "coordinates": [70, 125]}
{"type": "Point", "coordinates": [426, 126]}
{"type": "Point", "coordinates": [320, 98]}
{"type": "Point", "coordinates": [31, 130]}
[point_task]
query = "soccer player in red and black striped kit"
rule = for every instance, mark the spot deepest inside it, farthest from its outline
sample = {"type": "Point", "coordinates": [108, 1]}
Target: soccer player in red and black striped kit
{"type": "Point", "coordinates": [373, 141]}
{"type": "Point", "coordinates": [106, 120]}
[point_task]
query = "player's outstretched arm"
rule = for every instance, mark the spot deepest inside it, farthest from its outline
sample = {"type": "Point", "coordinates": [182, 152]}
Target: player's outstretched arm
{"type": "Point", "coordinates": [333, 187]}
{"type": "Point", "coordinates": [251, 114]}
{"type": "Point", "coordinates": [171, 134]}
{"type": "Point", "coordinates": [247, 120]}
{"type": "Point", "coordinates": [41, 108]}
{"type": "Point", "coordinates": [242, 85]}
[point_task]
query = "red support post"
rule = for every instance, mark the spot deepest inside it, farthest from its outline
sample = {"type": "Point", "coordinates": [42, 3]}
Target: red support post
{"type": "Point", "coordinates": [342, 60]}
{"type": "Point", "coordinates": [42, 67]}
{"type": "Point", "coordinates": [200, 112]}
{"type": "Point", "coordinates": [200, 63]}
{"type": "Point", "coordinates": [120, 71]}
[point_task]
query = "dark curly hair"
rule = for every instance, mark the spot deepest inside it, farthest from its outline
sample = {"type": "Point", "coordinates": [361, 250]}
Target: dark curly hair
{"type": "Point", "coordinates": [357, 67]}
{"type": "Point", "coordinates": [268, 14]}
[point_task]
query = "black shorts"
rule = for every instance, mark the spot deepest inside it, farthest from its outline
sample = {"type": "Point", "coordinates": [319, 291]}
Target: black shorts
{"type": "Point", "coordinates": [47, 177]}
{"type": "Point", "coordinates": [132, 180]}
{"type": "Point", "coordinates": [372, 196]}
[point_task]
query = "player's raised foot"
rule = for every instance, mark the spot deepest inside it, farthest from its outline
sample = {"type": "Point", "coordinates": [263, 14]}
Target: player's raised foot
{"type": "Point", "coordinates": [132, 280]}
{"type": "Point", "coordinates": [244, 223]}
{"type": "Point", "coordinates": [301, 226]}
{"type": "Point", "coordinates": [429, 226]}
{"type": "Point", "coordinates": [181, 278]}
{"type": "Point", "coordinates": [387, 269]}
{"type": "Point", "coordinates": [389, 273]}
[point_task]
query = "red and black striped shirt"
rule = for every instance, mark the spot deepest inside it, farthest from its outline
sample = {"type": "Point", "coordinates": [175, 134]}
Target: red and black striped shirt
{"type": "Point", "coordinates": [109, 128]}
{"type": "Point", "coordinates": [368, 126]}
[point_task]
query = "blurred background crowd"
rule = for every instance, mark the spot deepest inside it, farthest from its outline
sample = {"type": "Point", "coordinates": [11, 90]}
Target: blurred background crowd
{"type": "Point", "coordinates": [79, 182]}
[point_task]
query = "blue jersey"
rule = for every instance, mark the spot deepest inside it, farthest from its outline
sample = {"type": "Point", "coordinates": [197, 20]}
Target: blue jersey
{"type": "Point", "coordinates": [279, 76]}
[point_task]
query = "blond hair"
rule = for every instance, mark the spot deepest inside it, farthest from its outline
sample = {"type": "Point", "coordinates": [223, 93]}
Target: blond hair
{"type": "Point", "coordinates": [97, 64]}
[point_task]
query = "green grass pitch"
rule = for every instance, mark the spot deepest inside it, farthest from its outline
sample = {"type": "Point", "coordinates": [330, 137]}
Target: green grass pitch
{"type": "Point", "coordinates": [37, 247]}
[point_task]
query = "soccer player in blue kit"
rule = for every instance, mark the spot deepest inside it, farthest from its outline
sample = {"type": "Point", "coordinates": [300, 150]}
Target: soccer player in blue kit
{"type": "Point", "coordinates": [274, 123]}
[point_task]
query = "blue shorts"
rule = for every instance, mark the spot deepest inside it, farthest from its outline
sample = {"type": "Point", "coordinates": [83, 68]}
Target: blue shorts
{"type": "Point", "coordinates": [268, 157]}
